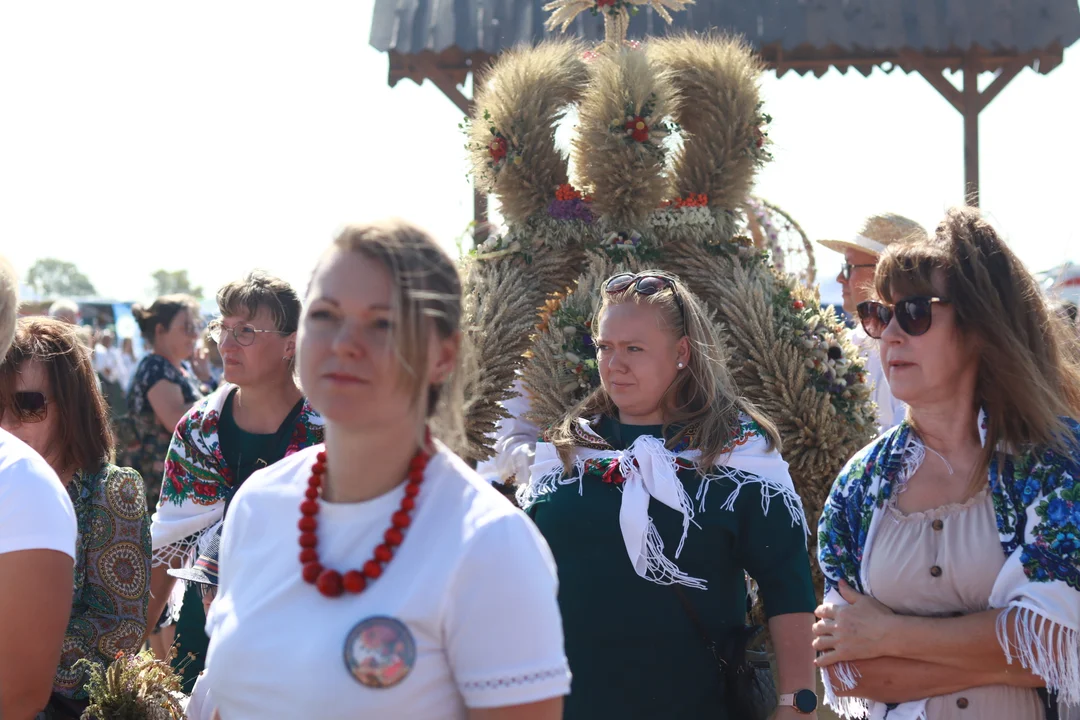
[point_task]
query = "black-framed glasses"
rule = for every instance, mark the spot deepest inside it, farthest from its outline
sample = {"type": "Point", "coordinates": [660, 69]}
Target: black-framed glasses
{"type": "Point", "coordinates": [243, 334]}
{"type": "Point", "coordinates": [644, 284]}
{"type": "Point", "coordinates": [30, 406]}
{"type": "Point", "coordinates": [913, 315]}
{"type": "Point", "coordinates": [846, 268]}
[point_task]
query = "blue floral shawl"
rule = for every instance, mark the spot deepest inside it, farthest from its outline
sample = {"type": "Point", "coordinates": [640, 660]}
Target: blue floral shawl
{"type": "Point", "coordinates": [1036, 497]}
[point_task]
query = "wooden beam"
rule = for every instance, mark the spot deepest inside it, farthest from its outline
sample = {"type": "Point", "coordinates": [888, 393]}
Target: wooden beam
{"type": "Point", "coordinates": [971, 107]}
{"type": "Point", "coordinates": [443, 81]}
{"type": "Point", "coordinates": [943, 86]}
{"type": "Point", "coordinates": [1003, 78]}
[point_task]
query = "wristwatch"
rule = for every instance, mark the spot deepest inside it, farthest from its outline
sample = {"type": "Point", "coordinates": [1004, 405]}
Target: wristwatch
{"type": "Point", "coordinates": [804, 701]}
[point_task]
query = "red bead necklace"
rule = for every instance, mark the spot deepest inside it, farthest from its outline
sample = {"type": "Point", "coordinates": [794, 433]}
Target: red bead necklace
{"type": "Point", "coordinates": [331, 583]}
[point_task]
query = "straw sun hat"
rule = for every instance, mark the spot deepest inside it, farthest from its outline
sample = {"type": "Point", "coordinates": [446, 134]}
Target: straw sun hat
{"type": "Point", "coordinates": [877, 232]}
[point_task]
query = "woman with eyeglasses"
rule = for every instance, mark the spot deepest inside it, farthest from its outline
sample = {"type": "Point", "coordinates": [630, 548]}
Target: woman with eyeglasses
{"type": "Point", "coordinates": [951, 544]}
{"type": "Point", "coordinates": [256, 418]}
{"type": "Point", "coordinates": [657, 494]}
{"type": "Point", "coordinates": [52, 403]}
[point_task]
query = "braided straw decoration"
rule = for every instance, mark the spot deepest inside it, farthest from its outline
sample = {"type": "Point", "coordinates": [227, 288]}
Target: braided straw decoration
{"type": "Point", "coordinates": [716, 79]}
{"type": "Point", "coordinates": [522, 97]}
{"type": "Point", "coordinates": [502, 298]}
{"type": "Point", "coordinates": [626, 179]}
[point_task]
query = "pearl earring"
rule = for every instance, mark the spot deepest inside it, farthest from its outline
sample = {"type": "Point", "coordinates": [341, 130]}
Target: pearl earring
{"type": "Point", "coordinates": [680, 366]}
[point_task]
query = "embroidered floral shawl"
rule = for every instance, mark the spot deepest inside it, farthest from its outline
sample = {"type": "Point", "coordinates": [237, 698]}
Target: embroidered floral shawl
{"type": "Point", "coordinates": [647, 470]}
{"type": "Point", "coordinates": [198, 481]}
{"type": "Point", "coordinates": [1037, 503]}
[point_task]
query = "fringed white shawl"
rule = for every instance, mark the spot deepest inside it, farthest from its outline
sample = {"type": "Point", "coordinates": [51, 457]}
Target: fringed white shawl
{"type": "Point", "coordinates": [1037, 503]}
{"type": "Point", "coordinates": [647, 470]}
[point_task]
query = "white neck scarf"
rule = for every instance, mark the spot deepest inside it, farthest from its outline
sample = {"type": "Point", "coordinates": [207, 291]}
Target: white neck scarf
{"type": "Point", "coordinates": [650, 471]}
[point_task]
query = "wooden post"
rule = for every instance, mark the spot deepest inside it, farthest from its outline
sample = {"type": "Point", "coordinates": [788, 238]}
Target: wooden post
{"type": "Point", "coordinates": [972, 106]}
{"type": "Point", "coordinates": [969, 102]}
{"type": "Point", "coordinates": [444, 82]}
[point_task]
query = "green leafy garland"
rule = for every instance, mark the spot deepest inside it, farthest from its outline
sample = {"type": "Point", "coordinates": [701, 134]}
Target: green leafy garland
{"type": "Point", "coordinates": [834, 367]}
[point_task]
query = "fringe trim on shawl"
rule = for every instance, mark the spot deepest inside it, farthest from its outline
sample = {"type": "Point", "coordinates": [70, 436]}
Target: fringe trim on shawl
{"type": "Point", "coordinates": [662, 570]}
{"type": "Point", "coordinates": [1046, 648]}
{"type": "Point", "coordinates": [180, 550]}
{"type": "Point", "coordinates": [184, 550]}
{"type": "Point", "coordinates": [847, 677]}
{"type": "Point", "coordinates": [659, 568]}
{"type": "Point", "coordinates": [529, 493]}
{"type": "Point", "coordinates": [769, 490]}
{"type": "Point", "coordinates": [913, 456]}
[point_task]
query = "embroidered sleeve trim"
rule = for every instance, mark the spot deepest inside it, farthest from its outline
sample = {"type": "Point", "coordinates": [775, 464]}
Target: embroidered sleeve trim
{"type": "Point", "coordinates": [514, 680]}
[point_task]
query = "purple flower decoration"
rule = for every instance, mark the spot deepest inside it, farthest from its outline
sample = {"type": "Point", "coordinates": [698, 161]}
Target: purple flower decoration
{"type": "Point", "coordinates": [570, 210]}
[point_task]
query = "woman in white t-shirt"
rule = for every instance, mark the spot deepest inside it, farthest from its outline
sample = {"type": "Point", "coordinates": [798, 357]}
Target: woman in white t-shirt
{"type": "Point", "coordinates": [377, 575]}
{"type": "Point", "coordinates": [37, 556]}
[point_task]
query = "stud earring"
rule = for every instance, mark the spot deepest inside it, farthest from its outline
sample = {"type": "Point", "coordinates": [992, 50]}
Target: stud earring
{"type": "Point", "coordinates": [680, 366]}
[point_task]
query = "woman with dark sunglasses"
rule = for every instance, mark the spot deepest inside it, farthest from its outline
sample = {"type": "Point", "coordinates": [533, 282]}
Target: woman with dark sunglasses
{"type": "Point", "coordinates": [650, 573]}
{"type": "Point", "coordinates": [951, 544]}
{"type": "Point", "coordinates": [50, 401]}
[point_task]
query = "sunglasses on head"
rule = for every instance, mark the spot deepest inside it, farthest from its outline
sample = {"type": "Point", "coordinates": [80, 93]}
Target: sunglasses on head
{"type": "Point", "coordinates": [29, 407]}
{"type": "Point", "coordinates": [913, 315]}
{"type": "Point", "coordinates": [846, 268]}
{"type": "Point", "coordinates": [643, 284]}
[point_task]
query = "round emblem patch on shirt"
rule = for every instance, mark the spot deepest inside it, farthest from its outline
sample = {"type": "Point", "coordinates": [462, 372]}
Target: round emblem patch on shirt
{"type": "Point", "coordinates": [380, 652]}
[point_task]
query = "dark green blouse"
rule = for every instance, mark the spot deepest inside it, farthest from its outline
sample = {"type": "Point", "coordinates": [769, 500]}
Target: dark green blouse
{"type": "Point", "coordinates": [632, 649]}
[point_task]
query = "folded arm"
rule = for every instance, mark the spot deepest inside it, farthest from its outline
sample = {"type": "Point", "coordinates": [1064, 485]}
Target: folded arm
{"type": "Point", "coordinates": [897, 680]}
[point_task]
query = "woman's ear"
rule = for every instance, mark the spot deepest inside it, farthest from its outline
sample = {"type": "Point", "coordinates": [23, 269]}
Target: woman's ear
{"type": "Point", "coordinates": [444, 358]}
{"type": "Point", "coordinates": [290, 347]}
{"type": "Point", "coordinates": [682, 352]}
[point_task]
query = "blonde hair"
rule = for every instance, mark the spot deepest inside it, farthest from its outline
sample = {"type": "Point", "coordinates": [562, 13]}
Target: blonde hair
{"type": "Point", "coordinates": [703, 399]}
{"type": "Point", "coordinates": [9, 305]}
{"type": "Point", "coordinates": [1029, 366]}
{"type": "Point", "coordinates": [426, 295]}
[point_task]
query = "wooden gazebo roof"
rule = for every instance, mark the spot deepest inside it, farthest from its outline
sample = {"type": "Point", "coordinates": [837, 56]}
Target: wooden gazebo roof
{"type": "Point", "coordinates": [444, 40]}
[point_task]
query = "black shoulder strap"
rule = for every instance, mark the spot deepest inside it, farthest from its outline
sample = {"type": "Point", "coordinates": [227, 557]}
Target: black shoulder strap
{"type": "Point", "coordinates": [694, 618]}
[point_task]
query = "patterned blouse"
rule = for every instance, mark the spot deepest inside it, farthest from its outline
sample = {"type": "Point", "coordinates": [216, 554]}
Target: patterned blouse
{"type": "Point", "coordinates": [145, 445]}
{"type": "Point", "coordinates": [112, 573]}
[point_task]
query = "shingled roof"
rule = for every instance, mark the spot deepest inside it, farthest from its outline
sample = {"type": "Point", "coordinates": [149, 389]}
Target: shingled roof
{"type": "Point", "coordinates": [450, 37]}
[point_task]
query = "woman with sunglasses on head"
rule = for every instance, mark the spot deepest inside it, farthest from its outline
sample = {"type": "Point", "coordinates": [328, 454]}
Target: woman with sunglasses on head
{"type": "Point", "coordinates": [951, 544]}
{"type": "Point", "coordinates": [52, 403]}
{"type": "Point", "coordinates": [650, 573]}
{"type": "Point", "coordinates": [378, 575]}
{"type": "Point", "coordinates": [255, 419]}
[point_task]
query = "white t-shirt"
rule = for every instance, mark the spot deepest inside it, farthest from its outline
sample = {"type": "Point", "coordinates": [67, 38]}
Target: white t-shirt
{"type": "Point", "coordinates": [35, 510]}
{"type": "Point", "coordinates": [890, 411]}
{"type": "Point", "coordinates": [465, 615]}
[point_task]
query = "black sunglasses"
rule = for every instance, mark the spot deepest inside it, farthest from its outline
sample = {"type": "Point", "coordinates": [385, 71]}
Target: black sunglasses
{"type": "Point", "coordinates": [644, 284]}
{"type": "Point", "coordinates": [913, 315]}
{"type": "Point", "coordinates": [846, 268]}
{"type": "Point", "coordinates": [29, 407]}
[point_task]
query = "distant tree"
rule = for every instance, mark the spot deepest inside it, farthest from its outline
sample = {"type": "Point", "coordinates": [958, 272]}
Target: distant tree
{"type": "Point", "coordinates": [168, 282]}
{"type": "Point", "coordinates": [50, 277]}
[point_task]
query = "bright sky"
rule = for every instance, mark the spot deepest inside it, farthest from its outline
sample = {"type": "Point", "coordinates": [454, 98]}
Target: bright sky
{"type": "Point", "coordinates": [221, 137]}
